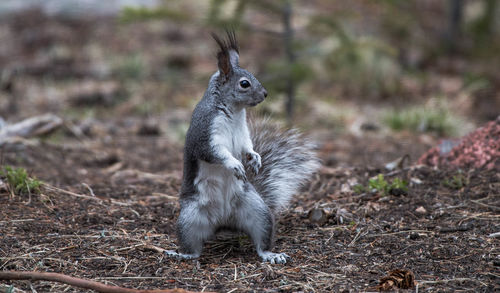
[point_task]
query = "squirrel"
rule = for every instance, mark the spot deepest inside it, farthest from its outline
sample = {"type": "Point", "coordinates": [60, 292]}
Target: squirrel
{"type": "Point", "coordinates": [237, 176]}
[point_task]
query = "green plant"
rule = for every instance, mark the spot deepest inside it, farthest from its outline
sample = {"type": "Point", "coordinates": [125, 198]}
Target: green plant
{"type": "Point", "coordinates": [130, 67]}
{"type": "Point", "coordinates": [380, 185]}
{"type": "Point", "coordinates": [423, 119]}
{"type": "Point", "coordinates": [19, 182]}
{"type": "Point", "coordinates": [457, 181]}
{"type": "Point", "coordinates": [358, 188]}
{"type": "Point", "coordinates": [398, 183]}
{"type": "Point", "coordinates": [398, 187]}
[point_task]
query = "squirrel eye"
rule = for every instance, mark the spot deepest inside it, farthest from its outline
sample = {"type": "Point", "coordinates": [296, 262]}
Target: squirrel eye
{"type": "Point", "coordinates": [244, 83]}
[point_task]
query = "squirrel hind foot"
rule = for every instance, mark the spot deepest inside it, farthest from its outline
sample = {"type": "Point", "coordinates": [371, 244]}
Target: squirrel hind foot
{"type": "Point", "coordinates": [274, 258]}
{"type": "Point", "coordinates": [178, 255]}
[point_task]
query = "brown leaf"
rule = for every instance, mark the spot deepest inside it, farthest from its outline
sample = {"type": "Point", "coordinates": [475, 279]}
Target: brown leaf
{"type": "Point", "coordinates": [403, 279]}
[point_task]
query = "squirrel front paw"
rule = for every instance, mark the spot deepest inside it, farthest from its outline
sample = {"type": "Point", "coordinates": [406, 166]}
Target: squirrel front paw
{"type": "Point", "coordinates": [237, 168]}
{"type": "Point", "coordinates": [254, 161]}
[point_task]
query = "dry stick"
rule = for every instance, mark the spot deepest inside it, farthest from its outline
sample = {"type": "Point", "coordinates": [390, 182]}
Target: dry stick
{"type": "Point", "coordinates": [77, 282]}
{"type": "Point", "coordinates": [50, 187]}
{"type": "Point", "coordinates": [101, 201]}
{"type": "Point", "coordinates": [485, 205]}
{"type": "Point", "coordinates": [400, 232]}
{"type": "Point", "coordinates": [155, 248]}
{"type": "Point", "coordinates": [355, 238]}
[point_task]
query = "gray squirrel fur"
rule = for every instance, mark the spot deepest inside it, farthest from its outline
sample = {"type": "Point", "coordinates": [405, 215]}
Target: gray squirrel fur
{"type": "Point", "coordinates": [234, 176]}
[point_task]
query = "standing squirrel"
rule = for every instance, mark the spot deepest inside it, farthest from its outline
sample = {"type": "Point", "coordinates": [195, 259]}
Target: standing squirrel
{"type": "Point", "coordinates": [234, 176]}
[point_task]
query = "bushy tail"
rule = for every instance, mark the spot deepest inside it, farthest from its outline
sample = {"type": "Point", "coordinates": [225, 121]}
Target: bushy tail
{"type": "Point", "coordinates": [288, 161]}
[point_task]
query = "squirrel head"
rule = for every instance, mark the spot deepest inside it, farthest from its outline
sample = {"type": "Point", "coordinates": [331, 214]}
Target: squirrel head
{"type": "Point", "coordinates": [236, 85]}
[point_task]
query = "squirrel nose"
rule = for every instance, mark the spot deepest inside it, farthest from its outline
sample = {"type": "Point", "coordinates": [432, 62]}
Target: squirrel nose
{"type": "Point", "coordinates": [265, 93]}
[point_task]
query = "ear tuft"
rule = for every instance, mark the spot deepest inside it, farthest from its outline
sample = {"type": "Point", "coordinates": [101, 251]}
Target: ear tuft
{"type": "Point", "coordinates": [227, 56]}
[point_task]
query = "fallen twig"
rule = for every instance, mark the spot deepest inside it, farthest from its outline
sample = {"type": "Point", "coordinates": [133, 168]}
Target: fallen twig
{"type": "Point", "coordinates": [77, 282]}
{"type": "Point", "coordinates": [17, 221]}
{"type": "Point", "coordinates": [90, 189]}
{"type": "Point", "coordinates": [34, 126]}
{"type": "Point", "coordinates": [93, 197]}
{"type": "Point", "coordinates": [400, 232]}
{"type": "Point", "coordinates": [53, 188]}
{"type": "Point", "coordinates": [485, 205]}
{"type": "Point", "coordinates": [154, 248]}
{"type": "Point", "coordinates": [355, 238]}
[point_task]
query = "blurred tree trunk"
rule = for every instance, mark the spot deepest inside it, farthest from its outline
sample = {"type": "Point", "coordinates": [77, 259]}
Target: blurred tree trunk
{"type": "Point", "coordinates": [7, 85]}
{"type": "Point", "coordinates": [455, 24]}
{"type": "Point", "coordinates": [290, 56]}
{"type": "Point", "coordinates": [486, 24]}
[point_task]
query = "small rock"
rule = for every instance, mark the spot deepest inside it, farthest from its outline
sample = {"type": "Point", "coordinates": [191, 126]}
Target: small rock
{"type": "Point", "coordinates": [345, 188]}
{"type": "Point", "coordinates": [398, 191]}
{"type": "Point", "coordinates": [369, 126]}
{"type": "Point", "coordinates": [103, 159]}
{"type": "Point", "coordinates": [352, 181]}
{"type": "Point", "coordinates": [416, 181]}
{"type": "Point", "coordinates": [148, 128]}
{"type": "Point", "coordinates": [421, 210]}
{"type": "Point", "coordinates": [317, 216]}
{"type": "Point", "coordinates": [299, 210]}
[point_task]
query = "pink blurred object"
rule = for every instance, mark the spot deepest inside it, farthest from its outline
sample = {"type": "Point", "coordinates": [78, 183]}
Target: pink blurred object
{"type": "Point", "coordinates": [479, 149]}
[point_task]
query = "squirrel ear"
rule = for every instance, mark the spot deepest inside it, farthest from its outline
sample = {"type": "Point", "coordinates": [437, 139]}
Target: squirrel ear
{"type": "Point", "coordinates": [227, 57]}
{"type": "Point", "coordinates": [224, 64]}
{"type": "Point", "coordinates": [234, 58]}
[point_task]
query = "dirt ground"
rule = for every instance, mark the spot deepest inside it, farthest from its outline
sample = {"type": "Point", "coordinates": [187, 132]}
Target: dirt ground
{"type": "Point", "coordinates": [111, 181]}
{"type": "Point", "coordinates": [119, 196]}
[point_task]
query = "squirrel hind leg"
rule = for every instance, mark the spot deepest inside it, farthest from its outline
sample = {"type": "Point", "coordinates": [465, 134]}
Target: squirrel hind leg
{"type": "Point", "coordinates": [193, 228]}
{"type": "Point", "coordinates": [178, 255]}
{"type": "Point", "coordinates": [256, 219]}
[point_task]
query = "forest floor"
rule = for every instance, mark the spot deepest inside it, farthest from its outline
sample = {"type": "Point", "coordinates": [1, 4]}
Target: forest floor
{"type": "Point", "coordinates": [109, 200]}
{"type": "Point", "coordinates": [106, 202]}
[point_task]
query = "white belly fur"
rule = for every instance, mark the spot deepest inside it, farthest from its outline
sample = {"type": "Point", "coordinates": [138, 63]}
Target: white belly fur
{"type": "Point", "coordinates": [218, 189]}
{"type": "Point", "coordinates": [217, 186]}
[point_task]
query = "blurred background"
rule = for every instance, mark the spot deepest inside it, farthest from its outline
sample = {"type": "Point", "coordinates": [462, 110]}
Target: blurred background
{"type": "Point", "coordinates": [361, 76]}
